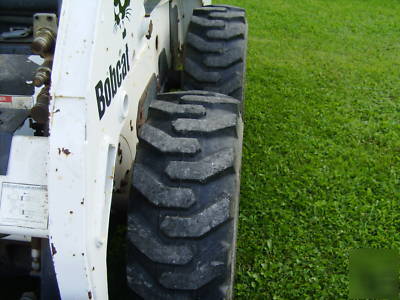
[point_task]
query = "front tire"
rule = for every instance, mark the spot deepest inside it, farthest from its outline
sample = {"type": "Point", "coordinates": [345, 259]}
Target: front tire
{"type": "Point", "coordinates": [184, 203]}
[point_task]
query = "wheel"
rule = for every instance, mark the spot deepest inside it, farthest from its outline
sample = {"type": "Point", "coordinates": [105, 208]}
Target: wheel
{"type": "Point", "coordinates": [184, 203]}
{"type": "Point", "coordinates": [215, 51]}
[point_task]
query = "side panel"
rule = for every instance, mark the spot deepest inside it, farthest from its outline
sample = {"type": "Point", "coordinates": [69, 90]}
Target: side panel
{"type": "Point", "coordinates": [101, 69]}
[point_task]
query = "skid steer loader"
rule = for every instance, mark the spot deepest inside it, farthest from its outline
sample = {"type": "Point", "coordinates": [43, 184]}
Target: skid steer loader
{"type": "Point", "coordinates": [120, 148]}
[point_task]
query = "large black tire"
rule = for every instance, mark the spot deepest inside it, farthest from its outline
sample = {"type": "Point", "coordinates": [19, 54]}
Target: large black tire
{"type": "Point", "coordinates": [184, 204]}
{"type": "Point", "coordinates": [215, 51]}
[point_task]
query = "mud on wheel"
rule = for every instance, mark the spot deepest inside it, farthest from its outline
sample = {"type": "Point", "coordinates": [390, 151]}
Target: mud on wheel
{"type": "Point", "coordinates": [215, 50]}
{"type": "Point", "coordinates": [184, 202]}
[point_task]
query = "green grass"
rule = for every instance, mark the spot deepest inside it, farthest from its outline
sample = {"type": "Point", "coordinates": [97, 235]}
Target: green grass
{"type": "Point", "coordinates": [322, 147]}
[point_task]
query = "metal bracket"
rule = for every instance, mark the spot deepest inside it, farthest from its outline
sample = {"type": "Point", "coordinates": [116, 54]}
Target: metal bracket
{"type": "Point", "coordinates": [44, 33]}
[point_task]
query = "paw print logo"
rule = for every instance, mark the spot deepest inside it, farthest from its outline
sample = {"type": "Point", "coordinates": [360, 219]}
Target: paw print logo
{"type": "Point", "coordinates": [122, 11]}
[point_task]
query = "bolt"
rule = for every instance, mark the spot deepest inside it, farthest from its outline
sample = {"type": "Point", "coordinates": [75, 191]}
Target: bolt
{"type": "Point", "coordinates": [40, 112]}
{"type": "Point", "coordinates": [42, 77]}
{"type": "Point", "coordinates": [43, 42]}
{"type": "Point", "coordinates": [43, 73]}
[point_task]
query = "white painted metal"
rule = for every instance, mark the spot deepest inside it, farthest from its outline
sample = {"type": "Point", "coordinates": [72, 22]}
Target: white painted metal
{"type": "Point", "coordinates": [76, 165]}
{"type": "Point", "coordinates": [23, 196]}
{"type": "Point", "coordinates": [80, 183]}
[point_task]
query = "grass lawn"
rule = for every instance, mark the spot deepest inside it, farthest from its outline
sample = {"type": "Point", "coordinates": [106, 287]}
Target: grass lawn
{"type": "Point", "coordinates": [322, 144]}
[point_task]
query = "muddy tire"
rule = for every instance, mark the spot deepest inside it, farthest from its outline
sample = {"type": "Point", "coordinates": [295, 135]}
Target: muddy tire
{"type": "Point", "coordinates": [183, 207]}
{"type": "Point", "coordinates": [215, 51]}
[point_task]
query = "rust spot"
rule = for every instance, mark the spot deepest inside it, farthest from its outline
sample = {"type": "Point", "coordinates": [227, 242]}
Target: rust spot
{"type": "Point", "coordinates": [89, 295]}
{"type": "Point", "coordinates": [53, 249]}
{"type": "Point", "coordinates": [66, 151]}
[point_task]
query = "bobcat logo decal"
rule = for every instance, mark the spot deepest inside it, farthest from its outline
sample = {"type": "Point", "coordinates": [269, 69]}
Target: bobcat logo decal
{"type": "Point", "coordinates": [122, 11]}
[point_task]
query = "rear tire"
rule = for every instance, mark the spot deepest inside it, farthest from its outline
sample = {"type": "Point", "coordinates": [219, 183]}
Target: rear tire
{"type": "Point", "coordinates": [184, 203]}
{"type": "Point", "coordinates": [215, 51]}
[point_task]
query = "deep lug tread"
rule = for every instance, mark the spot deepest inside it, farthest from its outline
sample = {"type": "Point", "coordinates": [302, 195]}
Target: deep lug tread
{"type": "Point", "coordinates": [140, 281]}
{"type": "Point", "coordinates": [175, 110]}
{"type": "Point", "coordinates": [228, 87]}
{"type": "Point", "coordinates": [208, 9]}
{"type": "Point", "coordinates": [199, 73]}
{"type": "Point", "coordinates": [235, 31]}
{"type": "Point", "coordinates": [199, 43]}
{"type": "Point", "coordinates": [199, 277]}
{"type": "Point", "coordinates": [153, 248]}
{"type": "Point", "coordinates": [202, 170]}
{"type": "Point", "coordinates": [183, 208]}
{"type": "Point", "coordinates": [225, 60]}
{"type": "Point", "coordinates": [159, 194]}
{"type": "Point", "coordinates": [211, 51]}
{"type": "Point", "coordinates": [208, 23]}
{"type": "Point", "coordinates": [199, 223]}
{"type": "Point", "coordinates": [208, 99]}
{"type": "Point", "coordinates": [166, 143]}
{"type": "Point", "coordinates": [186, 126]}
{"type": "Point", "coordinates": [229, 15]}
{"type": "Point", "coordinates": [180, 94]}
